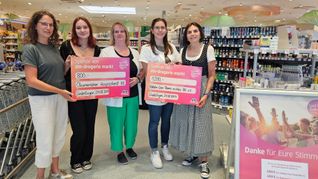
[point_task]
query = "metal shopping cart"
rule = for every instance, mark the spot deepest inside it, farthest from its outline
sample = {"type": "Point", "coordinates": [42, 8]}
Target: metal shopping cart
{"type": "Point", "coordinates": [16, 130]}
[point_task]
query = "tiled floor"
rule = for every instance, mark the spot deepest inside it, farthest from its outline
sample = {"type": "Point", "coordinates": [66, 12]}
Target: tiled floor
{"type": "Point", "coordinates": [106, 166]}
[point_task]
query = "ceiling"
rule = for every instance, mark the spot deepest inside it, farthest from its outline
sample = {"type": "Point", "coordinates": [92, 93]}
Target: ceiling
{"type": "Point", "coordinates": [178, 12]}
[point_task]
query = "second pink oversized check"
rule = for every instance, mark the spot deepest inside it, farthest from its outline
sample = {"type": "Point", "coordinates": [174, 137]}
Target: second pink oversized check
{"type": "Point", "coordinates": [173, 83]}
{"type": "Point", "coordinates": [100, 77]}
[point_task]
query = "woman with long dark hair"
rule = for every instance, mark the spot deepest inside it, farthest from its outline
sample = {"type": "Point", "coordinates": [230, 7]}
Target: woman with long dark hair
{"type": "Point", "coordinates": [82, 113]}
{"type": "Point", "coordinates": [159, 50]}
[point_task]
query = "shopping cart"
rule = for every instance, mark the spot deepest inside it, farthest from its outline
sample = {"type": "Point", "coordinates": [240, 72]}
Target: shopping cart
{"type": "Point", "coordinates": [16, 129]}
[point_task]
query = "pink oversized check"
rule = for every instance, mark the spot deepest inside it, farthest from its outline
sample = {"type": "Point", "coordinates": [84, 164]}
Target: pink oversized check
{"type": "Point", "coordinates": [100, 77]}
{"type": "Point", "coordinates": [178, 84]}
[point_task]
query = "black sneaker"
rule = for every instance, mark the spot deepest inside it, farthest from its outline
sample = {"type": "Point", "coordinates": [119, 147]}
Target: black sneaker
{"type": "Point", "coordinates": [188, 161]}
{"type": "Point", "coordinates": [131, 154]}
{"type": "Point", "coordinates": [77, 168]}
{"type": "Point", "coordinates": [121, 158]}
{"type": "Point", "coordinates": [204, 170]}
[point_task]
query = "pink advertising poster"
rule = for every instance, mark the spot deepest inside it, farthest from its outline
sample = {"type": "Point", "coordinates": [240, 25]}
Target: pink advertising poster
{"type": "Point", "coordinates": [100, 77]}
{"type": "Point", "coordinates": [278, 136]}
{"type": "Point", "coordinates": [173, 83]}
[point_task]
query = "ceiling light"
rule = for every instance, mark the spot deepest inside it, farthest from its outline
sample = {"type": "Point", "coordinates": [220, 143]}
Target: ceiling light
{"type": "Point", "coordinates": [29, 3]}
{"type": "Point", "coordinates": [109, 10]}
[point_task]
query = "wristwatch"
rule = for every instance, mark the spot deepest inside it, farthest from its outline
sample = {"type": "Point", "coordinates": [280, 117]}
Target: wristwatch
{"type": "Point", "coordinates": [207, 93]}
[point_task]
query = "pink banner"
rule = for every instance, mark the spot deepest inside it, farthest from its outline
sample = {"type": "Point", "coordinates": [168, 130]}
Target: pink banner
{"type": "Point", "coordinates": [100, 77]}
{"type": "Point", "coordinates": [178, 84]}
{"type": "Point", "coordinates": [278, 137]}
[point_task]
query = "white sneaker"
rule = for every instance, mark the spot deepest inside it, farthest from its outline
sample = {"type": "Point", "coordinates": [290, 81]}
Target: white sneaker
{"type": "Point", "coordinates": [87, 165]}
{"type": "Point", "coordinates": [166, 154]}
{"type": "Point", "coordinates": [61, 175]}
{"type": "Point", "coordinates": [155, 159]}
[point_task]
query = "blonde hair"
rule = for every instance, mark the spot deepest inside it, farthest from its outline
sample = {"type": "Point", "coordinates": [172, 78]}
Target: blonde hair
{"type": "Point", "coordinates": [112, 40]}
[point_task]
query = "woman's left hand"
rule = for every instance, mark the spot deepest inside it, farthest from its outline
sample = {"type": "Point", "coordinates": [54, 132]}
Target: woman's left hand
{"type": "Point", "coordinates": [133, 81]}
{"type": "Point", "coordinates": [202, 101]}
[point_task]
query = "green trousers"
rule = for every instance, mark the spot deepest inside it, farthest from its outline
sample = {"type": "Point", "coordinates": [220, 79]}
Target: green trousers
{"type": "Point", "coordinates": [123, 122]}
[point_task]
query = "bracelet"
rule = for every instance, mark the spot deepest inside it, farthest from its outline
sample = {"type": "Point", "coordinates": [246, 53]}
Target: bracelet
{"type": "Point", "coordinates": [207, 93]}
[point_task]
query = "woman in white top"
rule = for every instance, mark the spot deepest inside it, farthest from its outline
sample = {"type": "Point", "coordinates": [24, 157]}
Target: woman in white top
{"type": "Point", "coordinates": [122, 113]}
{"type": "Point", "coordinates": [191, 126]}
{"type": "Point", "coordinates": [159, 51]}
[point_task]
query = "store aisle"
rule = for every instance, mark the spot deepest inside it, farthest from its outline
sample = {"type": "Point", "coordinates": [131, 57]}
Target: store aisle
{"type": "Point", "coordinates": [105, 165]}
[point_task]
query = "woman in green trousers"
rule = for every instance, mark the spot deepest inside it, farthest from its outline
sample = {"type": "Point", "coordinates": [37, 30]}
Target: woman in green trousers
{"type": "Point", "coordinates": [122, 113]}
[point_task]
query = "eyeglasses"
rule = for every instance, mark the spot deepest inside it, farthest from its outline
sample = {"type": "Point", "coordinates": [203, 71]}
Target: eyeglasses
{"type": "Point", "coordinates": [159, 28]}
{"type": "Point", "coordinates": [46, 24]}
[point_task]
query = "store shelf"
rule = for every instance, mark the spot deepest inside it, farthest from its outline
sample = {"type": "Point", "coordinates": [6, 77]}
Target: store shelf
{"type": "Point", "coordinates": [231, 69]}
{"type": "Point", "coordinates": [10, 37]}
{"type": "Point", "coordinates": [283, 51]}
{"type": "Point", "coordinates": [235, 37]}
{"type": "Point", "coordinates": [286, 61]}
{"type": "Point", "coordinates": [11, 44]}
{"type": "Point", "coordinates": [10, 56]}
{"type": "Point", "coordinates": [11, 50]}
{"type": "Point", "coordinates": [225, 81]}
{"type": "Point", "coordinates": [133, 38]}
{"type": "Point", "coordinates": [227, 46]}
{"type": "Point", "coordinates": [102, 39]}
{"type": "Point", "coordinates": [225, 56]}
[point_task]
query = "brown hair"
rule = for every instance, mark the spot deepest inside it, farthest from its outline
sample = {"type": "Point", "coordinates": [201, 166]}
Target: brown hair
{"type": "Point", "coordinates": [91, 40]}
{"type": "Point", "coordinates": [32, 34]}
{"type": "Point", "coordinates": [112, 40]}
{"type": "Point", "coordinates": [153, 45]}
{"type": "Point", "coordinates": [185, 39]}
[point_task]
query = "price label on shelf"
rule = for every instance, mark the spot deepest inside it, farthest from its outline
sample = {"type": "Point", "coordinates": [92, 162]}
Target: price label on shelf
{"type": "Point", "coordinates": [274, 52]}
{"type": "Point", "coordinates": [296, 52]}
{"type": "Point", "coordinates": [315, 52]}
{"type": "Point", "coordinates": [256, 51]}
{"type": "Point", "coordinates": [286, 52]}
